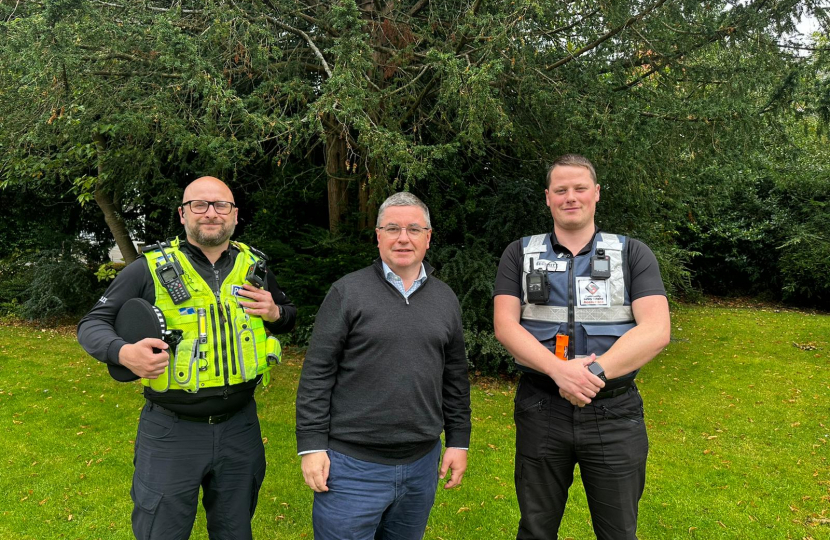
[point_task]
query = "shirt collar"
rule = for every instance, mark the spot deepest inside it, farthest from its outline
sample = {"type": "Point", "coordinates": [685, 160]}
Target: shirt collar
{"type": "Point", "coordinates": [386, 271]}
{"type": "Point", "coordinates": [196, 252]}
{"type": "Point", "coordinates": [560, 248]}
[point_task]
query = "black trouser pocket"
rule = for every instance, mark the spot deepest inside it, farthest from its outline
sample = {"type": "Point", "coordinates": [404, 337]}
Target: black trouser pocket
{"type": "Point", "coordinates": [621, 430]}
{"type": "Point", "coordinates": [146, 501]}
{"type": "Point", "coordinates": [531, 415]}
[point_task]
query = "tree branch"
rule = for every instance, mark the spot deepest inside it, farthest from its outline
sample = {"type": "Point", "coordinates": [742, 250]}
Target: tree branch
{"type": "Point", "coordinates": [150, 8]}
{"type": "Point", "coordinates": [295, 31]}
{"type": "Point", "coordinates": [136, 74]}
{"type": "Point", "coordinates": [679, 119]}
{"type": "Point", "coordinates": [605, 37]}
{"type": "Point", "coordinates": [418, 7]}
{"type": "Point", "coordinates": [410, 83]}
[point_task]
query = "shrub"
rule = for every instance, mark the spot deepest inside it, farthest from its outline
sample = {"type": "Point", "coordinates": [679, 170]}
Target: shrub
{"type": "Point", "coordinates": [60, 285]}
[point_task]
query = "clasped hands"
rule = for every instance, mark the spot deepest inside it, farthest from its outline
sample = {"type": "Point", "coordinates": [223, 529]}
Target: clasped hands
{"type": "Point", "coordinates": [576, 383]}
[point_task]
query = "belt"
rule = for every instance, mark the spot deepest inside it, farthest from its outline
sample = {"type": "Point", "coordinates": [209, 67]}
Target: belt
{"type": "Point", "coordinates": [613, 393]}
{"type": "Point", "coordinates": [214, 419]}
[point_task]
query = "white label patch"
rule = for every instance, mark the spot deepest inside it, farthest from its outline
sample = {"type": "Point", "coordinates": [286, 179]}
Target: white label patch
{"type": "Point", "coordinates": [235, 289]}
{"type": "Point", "coordinates": [591, 292]}
{"type": "Point", "coordinates": [103, 299]}
{"type": "Point", "coordinates": [550, 266]}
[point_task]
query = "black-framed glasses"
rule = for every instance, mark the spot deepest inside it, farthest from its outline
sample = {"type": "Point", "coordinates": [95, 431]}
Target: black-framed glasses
{"type": "Point", "coordinates": [201, 207]}
{"type": "Point", "coordinates": [394, 231]}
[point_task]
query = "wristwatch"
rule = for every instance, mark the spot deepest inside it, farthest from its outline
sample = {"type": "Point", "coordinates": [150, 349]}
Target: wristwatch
{"type": "Point", "coordinates": [597, 370]}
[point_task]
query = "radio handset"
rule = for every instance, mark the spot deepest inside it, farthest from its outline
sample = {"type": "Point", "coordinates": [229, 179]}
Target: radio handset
{"type": "Point", "coordinates": [170, 275]}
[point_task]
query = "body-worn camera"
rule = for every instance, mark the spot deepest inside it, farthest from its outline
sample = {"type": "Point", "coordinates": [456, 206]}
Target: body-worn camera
{"type": "Point", "coordinates": [257, 274]}
{"type": "Point", "coordinates": [538, 286]}
{"type": "Point", "coordinates": [600, 265]}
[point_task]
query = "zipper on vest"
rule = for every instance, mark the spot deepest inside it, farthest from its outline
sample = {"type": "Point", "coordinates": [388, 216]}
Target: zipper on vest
{"type": "Point", "coordinates": [223, 332]}
{"type": "Point", "coordinates": [217, 291]}
{"type": "Point", "coordinates": [233, 339]}
{"type": "Point", "coordinates": [215, 344]}
{"type": "Point", "coordinates": [571, 316]}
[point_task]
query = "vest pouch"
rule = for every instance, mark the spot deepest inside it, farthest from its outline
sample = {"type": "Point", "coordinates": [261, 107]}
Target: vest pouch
{"type": "Point", "coordinates": [247, 352]}
{"type": "Point", "coordinates": [162, 382]}
{"type": "Point", "coordinates": [273, 353]}
{"type": "Point", "coordinates": [600, 337]}
{"type": "Point", "coordinates": [186, 365]}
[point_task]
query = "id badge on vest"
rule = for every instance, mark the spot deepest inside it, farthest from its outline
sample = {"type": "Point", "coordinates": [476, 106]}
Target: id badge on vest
{"type": "Point", "coordinates": [591, 292]}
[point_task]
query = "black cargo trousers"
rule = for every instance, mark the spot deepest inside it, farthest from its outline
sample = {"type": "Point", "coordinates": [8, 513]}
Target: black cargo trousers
{"type": "Point", "coordinates": [607, 438]}
{"type": "Point", "coordinates": [175, 457]}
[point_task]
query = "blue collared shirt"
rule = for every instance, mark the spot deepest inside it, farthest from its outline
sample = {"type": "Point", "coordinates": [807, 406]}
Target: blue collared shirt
{"type": "Point", "coordinates": [396, 280]}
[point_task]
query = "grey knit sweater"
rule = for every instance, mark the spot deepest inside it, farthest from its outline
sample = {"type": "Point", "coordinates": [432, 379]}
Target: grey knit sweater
{"type": "Point", "coordinates": [384, 375]}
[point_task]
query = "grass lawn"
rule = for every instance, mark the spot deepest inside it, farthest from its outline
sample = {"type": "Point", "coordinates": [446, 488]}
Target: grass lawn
{"type": "Point", "coordinates": [737, 407]}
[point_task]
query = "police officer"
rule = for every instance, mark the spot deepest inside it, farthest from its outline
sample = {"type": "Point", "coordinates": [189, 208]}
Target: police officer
{"type": "Point", "coordinates": [199, 427]}
{"type": "Point", "coordinates": [600, 298]}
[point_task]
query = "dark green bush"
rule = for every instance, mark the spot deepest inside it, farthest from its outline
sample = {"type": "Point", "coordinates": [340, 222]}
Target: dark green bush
{"type": "Point", "coordinates": [470, 270]}
{"type": "Point", "coordinates": [13, 282]}
{"type": "Point", "coordinates": [60, 284]}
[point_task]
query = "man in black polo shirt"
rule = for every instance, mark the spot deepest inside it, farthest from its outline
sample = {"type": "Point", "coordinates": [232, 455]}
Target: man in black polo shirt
{"type": "Point", "coordinates": [598, 301]}
{"type": "Point", "coordinates": [199, 427]}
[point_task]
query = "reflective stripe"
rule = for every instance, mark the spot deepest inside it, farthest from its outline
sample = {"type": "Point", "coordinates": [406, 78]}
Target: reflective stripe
{"type": "Point", "coordinates": [609, 241]}
{"type": "Point", "coordinates": [613, 314]}
{"type": "Point", "coordinates": [536, 244]}
{"type": "Point", "coordinates": [612, 245]}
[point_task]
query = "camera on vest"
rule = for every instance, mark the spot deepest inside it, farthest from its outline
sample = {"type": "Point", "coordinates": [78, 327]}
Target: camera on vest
{"type": "Point", "coordinates": [600, 265]}
{"type": "Point", "coordinates": [538, 286]}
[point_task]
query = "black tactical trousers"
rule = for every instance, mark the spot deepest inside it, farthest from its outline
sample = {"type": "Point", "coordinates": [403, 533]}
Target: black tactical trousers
{"type": "Point", "coordinates": [175, 457]}
{"type": "Point", "coordinates": [607, 438]}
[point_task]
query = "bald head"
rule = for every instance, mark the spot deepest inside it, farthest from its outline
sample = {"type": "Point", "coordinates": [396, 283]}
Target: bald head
{"type": "Point", "coordinates": [207, 184]}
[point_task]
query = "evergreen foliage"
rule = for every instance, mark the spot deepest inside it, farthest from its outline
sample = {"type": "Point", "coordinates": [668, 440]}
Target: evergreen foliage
{"type": "Point", "coordinates": [706, 122]}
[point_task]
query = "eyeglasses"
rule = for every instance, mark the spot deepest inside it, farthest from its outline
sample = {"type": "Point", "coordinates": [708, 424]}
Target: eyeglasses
{"type": "Point", "coordinates": [394, 231]}
{"type": "Point", "coordinates": [201, 207]}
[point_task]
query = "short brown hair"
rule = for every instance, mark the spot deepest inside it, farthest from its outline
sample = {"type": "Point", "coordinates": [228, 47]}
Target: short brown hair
{"type": "Point", "coordinates": [572, 160]}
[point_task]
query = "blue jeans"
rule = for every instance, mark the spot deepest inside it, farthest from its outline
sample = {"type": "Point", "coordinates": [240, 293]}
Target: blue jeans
{"type": "Point", "coordinates": [367, 501]}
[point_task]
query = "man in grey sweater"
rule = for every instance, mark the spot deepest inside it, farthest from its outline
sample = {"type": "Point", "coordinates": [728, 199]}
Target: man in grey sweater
{"type": "Point", "coordinates": [384, 375]}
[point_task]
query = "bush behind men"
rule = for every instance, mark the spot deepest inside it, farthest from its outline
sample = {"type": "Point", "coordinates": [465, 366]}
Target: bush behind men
{"type": "Point", "coordinates": [607, 311]}
{"type": "Point", "coordinates": [201, 430]}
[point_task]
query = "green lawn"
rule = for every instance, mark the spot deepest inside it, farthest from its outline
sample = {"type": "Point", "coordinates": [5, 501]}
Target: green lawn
{"type": "Point", "coordinates": [737, 411]}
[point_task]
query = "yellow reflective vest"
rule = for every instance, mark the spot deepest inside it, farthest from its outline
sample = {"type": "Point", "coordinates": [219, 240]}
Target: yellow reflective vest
{"type": "Point", "coordinates": [221, 344]}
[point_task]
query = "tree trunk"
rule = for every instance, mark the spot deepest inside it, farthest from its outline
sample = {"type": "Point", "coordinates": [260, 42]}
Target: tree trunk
{"type": "Point", "coordinates": [368, 208]}
{"type": "Point", "coordinates": [112, 215]}
{"type": "Point", "coordinates": [337, 184]}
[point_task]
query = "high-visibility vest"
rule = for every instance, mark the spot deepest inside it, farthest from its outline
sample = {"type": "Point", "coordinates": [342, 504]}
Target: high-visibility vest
{"type": "Point", "coordinates": [594, 313]}
{"type": "Point", "coordinates": [234, 347]}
